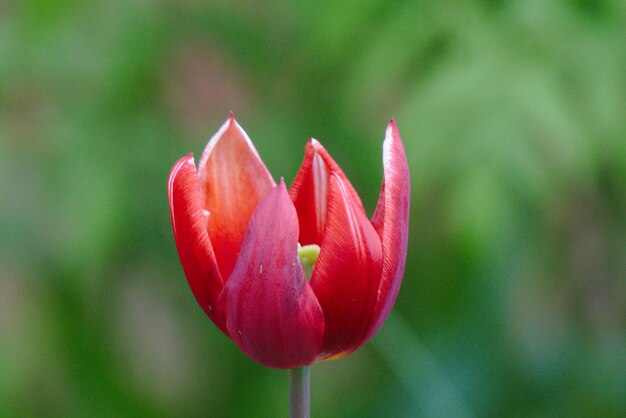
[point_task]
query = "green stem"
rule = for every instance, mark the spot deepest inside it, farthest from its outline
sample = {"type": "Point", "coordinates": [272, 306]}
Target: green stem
{"type": "Point", "coordinates": [299, 382]}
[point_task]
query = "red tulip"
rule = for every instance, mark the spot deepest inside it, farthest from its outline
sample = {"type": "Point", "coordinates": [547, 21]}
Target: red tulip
{"type": "Point", "coordinates": [238, 235]}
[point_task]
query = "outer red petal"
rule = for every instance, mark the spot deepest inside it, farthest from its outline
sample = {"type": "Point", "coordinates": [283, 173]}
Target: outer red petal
{"type": "Point", "coordinates": [189, 221]}
{"type": "Point", "coordinates": [391, 220]}
{"type": "Point", "coordinates": [347, 273]}
{"type": "Point", "coordinates": [309, 191]}
{"type": "Point", "coordinates": [233, 180]}
{"type": "Point", "coordinates": [272, 313]}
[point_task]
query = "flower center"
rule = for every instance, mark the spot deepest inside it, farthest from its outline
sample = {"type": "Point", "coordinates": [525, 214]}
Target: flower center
{"type": "Point", "coordinates": [308, 256]}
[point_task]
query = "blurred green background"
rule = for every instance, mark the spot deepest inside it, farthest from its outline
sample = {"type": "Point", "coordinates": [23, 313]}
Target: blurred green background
{"type": "Point", "coordinates": [512, 114]}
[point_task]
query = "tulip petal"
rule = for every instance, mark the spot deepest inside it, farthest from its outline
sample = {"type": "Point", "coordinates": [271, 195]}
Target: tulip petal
{"type": "Point", "coordinates": [272, 313]}
{"type": "Point", "coordinates": [347, 273]}
{"type": "Point", "coordinates": [309, 191]}
{"type": "Point", "coordinates": [391, 220]}
{"type": "Point", "coordinates": [189, 222]}
{"type": "Point", "coordinates": [233, 180]}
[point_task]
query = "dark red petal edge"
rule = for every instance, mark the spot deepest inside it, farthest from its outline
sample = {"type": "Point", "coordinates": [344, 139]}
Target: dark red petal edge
{"type": "Point", "coordinates": [272, 313]}
{"type": "Point", "coordinates": [189, 222]}
{"type": "Point", "coordinates": [391, 220]}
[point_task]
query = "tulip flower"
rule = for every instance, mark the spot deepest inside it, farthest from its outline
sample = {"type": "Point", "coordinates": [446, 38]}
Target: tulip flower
{"type": "Point", "coordinates": [292, 277]}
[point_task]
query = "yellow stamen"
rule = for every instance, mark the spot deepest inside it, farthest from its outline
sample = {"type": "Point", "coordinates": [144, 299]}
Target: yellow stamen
{"type": "Point", "coordinates": [308, 256]}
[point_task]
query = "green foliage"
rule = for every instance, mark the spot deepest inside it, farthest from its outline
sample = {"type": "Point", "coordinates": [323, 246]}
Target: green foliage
{"type": "Point", "coordinates": [512, 114]}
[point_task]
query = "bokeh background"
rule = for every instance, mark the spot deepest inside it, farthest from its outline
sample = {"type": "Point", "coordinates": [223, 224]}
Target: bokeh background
{"type": "Point", "coordinates": [513, 118]}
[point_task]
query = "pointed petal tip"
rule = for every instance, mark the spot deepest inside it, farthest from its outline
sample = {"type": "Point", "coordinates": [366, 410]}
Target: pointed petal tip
{"type": "Point", "coordinates": [185, 159]}
{"type": "Point", "coordinates": [229, 131]}
{"type": "Point", "coordinates": [315, 145]}
{"type": "Point", "coordinates": [318, 149]}
{"type": "Point", "coordinates": [279, 195]}
{"type": "Point", "coordinates": [189, 159]}
{"type": "Point", "coordinates": [392, 129]}
{"type": "Point", "coordinates": [231, 122]}
{"type": "Point", "coordinates": [227, 125]}
{"type": "Point", "coordinates": [178, 165]}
